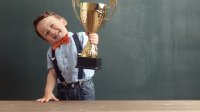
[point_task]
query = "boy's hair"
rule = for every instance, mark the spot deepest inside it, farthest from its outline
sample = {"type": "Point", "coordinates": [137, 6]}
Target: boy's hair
{"type": "Point", "coordinates": [41, 17]}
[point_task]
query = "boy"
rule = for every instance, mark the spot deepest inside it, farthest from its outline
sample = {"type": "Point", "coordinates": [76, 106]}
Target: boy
{"type": "Point", "coordinates": [52, 28]}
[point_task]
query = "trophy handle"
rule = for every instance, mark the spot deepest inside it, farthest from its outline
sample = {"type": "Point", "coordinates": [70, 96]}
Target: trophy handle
{"type": "Point", "coordinates": [113, 5]}
{"type": "Point", "coordinates": [74, 4]}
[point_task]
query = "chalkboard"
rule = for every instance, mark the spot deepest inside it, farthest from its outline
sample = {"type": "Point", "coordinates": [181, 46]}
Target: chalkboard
{"type": "Point", "coordinates": [150, 50]}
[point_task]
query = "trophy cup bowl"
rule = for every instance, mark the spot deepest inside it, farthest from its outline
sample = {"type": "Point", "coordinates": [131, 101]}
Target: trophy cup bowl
{"type": "Point", "coordinates": [92, 16]}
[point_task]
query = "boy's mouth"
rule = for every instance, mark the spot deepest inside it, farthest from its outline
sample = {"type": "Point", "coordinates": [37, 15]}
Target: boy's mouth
{"type": "Point", "coordinates": [54, 37]}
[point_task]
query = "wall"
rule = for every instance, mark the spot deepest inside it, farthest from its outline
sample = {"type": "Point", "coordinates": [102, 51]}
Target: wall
{"type": "Point", "coordinates": [150, 49]}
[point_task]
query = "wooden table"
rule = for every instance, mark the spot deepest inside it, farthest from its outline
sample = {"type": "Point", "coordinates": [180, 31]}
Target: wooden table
{"type": "Point", "coordinates": [102, 106]}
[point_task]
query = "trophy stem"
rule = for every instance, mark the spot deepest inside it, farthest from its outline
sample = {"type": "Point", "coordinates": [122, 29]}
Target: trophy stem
{"type": "Point", "coordinates": [90, 50]}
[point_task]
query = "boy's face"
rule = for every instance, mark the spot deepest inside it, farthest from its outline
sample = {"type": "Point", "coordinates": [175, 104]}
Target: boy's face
{"type": "Point", "coordinates": [52, 29]}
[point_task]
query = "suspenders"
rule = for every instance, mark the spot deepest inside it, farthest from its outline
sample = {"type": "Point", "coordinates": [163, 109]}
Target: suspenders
{"type": "Point", "coordinates": [57, 70]}
{"type": "Point", "coordinates": [79, 50]}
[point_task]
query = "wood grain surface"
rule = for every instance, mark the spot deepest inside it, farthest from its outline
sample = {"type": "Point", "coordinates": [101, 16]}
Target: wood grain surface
{"type": "Point", "coordinates": [102, 106]}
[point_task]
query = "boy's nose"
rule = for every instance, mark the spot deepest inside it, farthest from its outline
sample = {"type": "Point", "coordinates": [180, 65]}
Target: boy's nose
{"type": "Point", "coordinates": [53, 32]}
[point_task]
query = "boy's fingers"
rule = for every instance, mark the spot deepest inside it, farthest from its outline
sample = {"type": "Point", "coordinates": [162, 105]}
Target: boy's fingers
{"type": "Point", "coordinates": [40, 100]}
{"type": "Point", "coordinates": [56, 99]}
{"type": "Point", "coordinates": [47, 100]}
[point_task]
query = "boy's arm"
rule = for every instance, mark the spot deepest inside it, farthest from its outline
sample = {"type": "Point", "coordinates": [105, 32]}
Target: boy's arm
{"type": "Point", "coordinates": [51, 80]}
{"type": "Point", "coordinates": [50, 84]}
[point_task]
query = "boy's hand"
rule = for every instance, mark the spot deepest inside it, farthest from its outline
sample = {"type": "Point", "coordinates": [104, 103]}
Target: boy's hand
{"type": "Point", "coordinates": [94, 38]}
{"type": "Point", "coordinates": [47, 97]}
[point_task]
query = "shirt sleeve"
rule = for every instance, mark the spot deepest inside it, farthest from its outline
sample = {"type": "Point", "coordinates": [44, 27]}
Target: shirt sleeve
{"type": "Point", "coordinates": [83, 38]}
{"type": "Point", "coordinates": [49, 59]}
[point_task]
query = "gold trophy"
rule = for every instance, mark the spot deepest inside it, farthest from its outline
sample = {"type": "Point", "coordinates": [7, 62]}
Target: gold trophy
{"type": "Point", "coordinates": [92, 16]}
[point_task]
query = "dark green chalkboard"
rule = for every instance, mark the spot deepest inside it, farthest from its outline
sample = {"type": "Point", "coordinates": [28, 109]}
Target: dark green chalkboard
{"type": "Point", "coordinates": [150, 49]}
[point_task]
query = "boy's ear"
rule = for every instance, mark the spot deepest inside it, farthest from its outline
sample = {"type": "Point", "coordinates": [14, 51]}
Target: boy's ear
{"type": "Point", "coordinates": [64, 21]}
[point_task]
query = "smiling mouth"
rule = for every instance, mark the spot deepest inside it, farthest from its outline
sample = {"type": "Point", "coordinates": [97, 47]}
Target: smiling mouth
{"type": "Point", "coordinates": [56, 35]}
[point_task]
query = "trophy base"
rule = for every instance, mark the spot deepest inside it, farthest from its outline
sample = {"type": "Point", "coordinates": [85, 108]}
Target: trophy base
{"type": "Point", "coordinates": [89, 63]}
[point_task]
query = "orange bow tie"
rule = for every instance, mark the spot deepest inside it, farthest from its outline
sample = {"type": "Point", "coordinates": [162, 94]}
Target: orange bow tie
{"type": "Point", "coordinates": [64, 40]}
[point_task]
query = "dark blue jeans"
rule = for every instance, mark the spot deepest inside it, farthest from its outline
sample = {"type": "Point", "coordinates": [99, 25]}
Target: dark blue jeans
{"type": "Point", "coordinates": [85, 91]}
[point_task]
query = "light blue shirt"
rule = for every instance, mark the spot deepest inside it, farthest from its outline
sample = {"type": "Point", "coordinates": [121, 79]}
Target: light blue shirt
{"type": "Point", "coordinates": [66, 56]}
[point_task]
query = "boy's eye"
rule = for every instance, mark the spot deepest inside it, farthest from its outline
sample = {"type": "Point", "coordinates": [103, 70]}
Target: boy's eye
{"type": "Point", "coordinates": [47, 33]}
{"type": "Point", "coordinates": [52, 25]}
